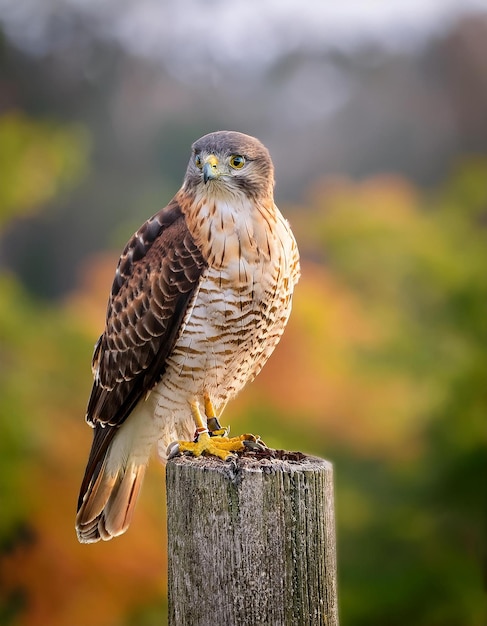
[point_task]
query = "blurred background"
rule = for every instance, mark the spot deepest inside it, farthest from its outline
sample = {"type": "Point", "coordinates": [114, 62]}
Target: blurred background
{"type": "Point", "coordinates": [376, 116]}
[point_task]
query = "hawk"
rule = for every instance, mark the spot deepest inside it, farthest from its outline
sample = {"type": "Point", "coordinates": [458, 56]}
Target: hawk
{"type": "Point", "coordinates": [201, 296]}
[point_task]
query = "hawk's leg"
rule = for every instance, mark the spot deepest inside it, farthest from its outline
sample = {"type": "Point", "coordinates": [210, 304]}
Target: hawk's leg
{"type": "Point", "coordinates": [209, 440]}
{"type": "Point", "coordinates": [212, 423]}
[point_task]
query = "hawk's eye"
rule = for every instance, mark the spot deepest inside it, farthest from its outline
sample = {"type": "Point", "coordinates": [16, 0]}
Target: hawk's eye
{"type": "Point", "coordinates": [237, 161]}
{"type": "Point", "coordinates": [198, 161]}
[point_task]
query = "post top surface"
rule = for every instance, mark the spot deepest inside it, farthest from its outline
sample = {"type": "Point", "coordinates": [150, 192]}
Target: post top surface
{"type": "Point", "coordinates": [267, 462]}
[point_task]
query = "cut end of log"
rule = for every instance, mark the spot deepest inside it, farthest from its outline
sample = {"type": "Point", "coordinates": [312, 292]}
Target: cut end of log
{"type": "Point", "coordinates": [267, 461]}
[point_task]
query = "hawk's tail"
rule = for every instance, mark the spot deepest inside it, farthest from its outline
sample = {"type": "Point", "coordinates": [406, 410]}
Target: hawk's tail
{"type": "Point", "coordinates": [111, 484]}
{"type": "Point", "coordinates": [107, 507]}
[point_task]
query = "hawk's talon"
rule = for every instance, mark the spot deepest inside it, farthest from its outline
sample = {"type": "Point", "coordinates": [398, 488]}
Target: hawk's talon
{"type": "Point", "coordinates": [255, 446]}
{"type": "Point", "coordinates": [173, 450]}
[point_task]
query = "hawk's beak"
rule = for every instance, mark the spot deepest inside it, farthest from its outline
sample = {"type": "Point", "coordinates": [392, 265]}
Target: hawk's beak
{"type": "Point", "coordinates": [210, 168]}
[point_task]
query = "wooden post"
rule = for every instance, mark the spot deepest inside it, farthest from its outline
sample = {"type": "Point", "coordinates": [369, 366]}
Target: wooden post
{"type": "Point", "coordinates": [251, 541]}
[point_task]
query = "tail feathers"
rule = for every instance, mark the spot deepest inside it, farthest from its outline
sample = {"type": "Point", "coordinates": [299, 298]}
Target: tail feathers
{"type": "Point", "coordinates": [107, 507]}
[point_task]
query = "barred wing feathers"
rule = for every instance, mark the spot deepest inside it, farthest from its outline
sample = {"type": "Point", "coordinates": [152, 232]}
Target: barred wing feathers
{"type": "Point", "coordinates": [156, 279]}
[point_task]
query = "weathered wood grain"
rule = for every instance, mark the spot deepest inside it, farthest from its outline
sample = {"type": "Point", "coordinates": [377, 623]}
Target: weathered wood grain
{"type": "Point", "coordinates": [251, 541]}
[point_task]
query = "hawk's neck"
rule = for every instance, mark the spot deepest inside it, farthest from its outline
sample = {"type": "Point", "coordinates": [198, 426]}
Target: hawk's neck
{"type": "Point", "coordinates": [233, 227]}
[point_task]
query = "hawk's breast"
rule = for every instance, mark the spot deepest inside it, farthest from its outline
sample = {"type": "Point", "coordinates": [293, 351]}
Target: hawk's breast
{"type": "Point", "coordinates": [243, 300]}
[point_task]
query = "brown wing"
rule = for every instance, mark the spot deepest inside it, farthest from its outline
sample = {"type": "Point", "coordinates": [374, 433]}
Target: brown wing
{"type": "Point", "coordinates": [156, 277]}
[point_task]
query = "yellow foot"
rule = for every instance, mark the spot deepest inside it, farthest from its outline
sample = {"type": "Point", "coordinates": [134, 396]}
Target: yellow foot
{"type": "Point", "coordinates": [222, 447]}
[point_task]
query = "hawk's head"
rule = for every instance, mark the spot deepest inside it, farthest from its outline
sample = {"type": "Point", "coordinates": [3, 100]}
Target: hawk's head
{"type": "Point", "coordinates": [227, 163]}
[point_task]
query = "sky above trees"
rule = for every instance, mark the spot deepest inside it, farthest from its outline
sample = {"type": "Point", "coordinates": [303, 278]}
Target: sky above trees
{"type": "Point", "coordinates": [232, 34]}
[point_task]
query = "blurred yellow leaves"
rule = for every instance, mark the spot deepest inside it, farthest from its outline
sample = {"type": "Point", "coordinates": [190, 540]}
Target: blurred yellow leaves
{"type": "Point", "coordinates": [38, 160]}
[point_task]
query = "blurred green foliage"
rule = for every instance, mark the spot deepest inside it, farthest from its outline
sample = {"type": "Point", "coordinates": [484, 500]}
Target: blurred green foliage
{"type": "Point", "coordinates": [38, 160]}
{"type": "Point", "coordinates": [412, 526]}
{"type": "Point", "coordinates": [382, 370]}
{"type": "Point", "coordinates": [41, 355]}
